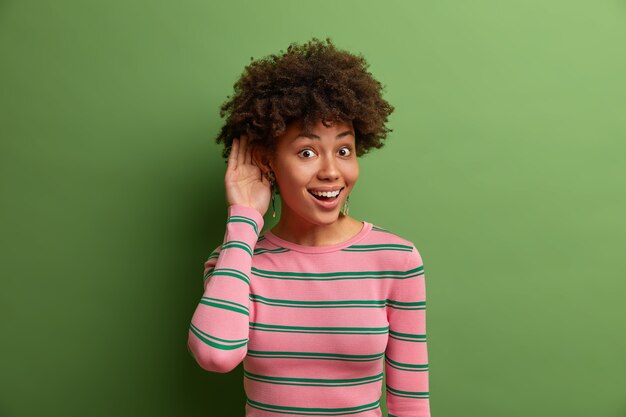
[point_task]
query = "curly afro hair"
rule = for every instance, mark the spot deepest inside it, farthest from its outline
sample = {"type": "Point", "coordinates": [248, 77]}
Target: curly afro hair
{"type": "Point", "coordinates": [311, 82]}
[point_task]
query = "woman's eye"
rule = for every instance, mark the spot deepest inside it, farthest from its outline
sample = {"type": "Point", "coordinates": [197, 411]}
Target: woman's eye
{"type": "Point", "coordinates": [307, 153]}
{"type": "Point", "coordinates": [302, 152]}
{"type": "Point", "coordinates": [349, 151]}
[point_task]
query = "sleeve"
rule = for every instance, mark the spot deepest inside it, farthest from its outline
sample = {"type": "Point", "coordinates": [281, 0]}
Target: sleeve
{"type": "Point", "coordinates": [406, 356]}
{"type": "Point", "coordinates": [219, 329]}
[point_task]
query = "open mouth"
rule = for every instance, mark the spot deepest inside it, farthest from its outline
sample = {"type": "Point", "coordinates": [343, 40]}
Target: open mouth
{"type": "Point", "coordinates": [322, 198]}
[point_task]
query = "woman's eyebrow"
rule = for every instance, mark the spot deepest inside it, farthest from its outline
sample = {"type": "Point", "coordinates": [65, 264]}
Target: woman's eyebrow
{"type": "Point", "coordinates": [314, 136]}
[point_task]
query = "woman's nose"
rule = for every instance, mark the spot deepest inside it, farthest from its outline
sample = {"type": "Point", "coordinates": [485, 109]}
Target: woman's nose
{"type": "Point", "coordinates": [328, 169]}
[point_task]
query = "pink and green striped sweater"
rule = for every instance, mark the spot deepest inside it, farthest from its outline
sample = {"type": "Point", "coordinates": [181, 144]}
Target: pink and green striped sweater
{"type": "Point", "coordinates": [315, 326]}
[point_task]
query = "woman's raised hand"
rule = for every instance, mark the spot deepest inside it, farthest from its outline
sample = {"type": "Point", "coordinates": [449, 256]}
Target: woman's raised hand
{"type": "Point", "coordinates": [244, 181]}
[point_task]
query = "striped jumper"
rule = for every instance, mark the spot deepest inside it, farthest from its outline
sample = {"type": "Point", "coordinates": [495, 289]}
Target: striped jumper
{"type": "Point", "coordinates": [315, 326]}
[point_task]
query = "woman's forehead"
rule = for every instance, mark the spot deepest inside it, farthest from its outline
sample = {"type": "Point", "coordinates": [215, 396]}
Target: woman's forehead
{"type": "Point", "coordinates": [317, 127]}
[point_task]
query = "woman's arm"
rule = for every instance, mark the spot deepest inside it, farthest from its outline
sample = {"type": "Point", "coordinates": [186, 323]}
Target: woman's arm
{"type": "Point", "coordinates": [219, 329]}
{"type": "Point", "coordinates": [406, 356]}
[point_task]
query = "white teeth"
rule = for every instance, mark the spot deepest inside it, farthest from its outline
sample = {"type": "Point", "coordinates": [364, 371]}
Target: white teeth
{"type": "Point", "coordinates": [326, 194]}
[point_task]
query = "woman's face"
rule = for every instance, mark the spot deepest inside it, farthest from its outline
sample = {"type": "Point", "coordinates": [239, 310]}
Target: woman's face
{"type": "Point", "coordinates": [323, 158]}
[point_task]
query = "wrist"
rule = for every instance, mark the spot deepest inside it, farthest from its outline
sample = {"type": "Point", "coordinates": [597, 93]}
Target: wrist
{"type": "Point", "coordinates": [247, 211]}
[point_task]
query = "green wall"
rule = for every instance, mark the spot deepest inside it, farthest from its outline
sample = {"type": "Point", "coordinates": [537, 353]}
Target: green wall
{"type": "Point", "coordinates": [505, 167]}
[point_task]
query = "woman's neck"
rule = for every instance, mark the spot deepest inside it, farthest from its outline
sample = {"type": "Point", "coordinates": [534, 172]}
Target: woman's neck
{"type": "Point", "coordinates": [301, 232]}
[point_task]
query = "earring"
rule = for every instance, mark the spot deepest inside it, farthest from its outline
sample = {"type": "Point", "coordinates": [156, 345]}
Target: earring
{"type": "Point", "coordinates": [273, 201]}
{"type": "Point", "coordinates": [346, 207]}
{"type": "Point", "coordinates": [272, 178]}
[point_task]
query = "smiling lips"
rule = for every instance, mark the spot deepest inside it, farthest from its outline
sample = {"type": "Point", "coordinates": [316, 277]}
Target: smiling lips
{"type": "Point", "coordinates": [327, 200]}
{"type": "Point", "coordinates": [331, 194]}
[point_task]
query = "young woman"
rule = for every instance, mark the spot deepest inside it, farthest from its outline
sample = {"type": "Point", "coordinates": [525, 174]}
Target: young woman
{"type": "Point", "coordinates": [320, 305]}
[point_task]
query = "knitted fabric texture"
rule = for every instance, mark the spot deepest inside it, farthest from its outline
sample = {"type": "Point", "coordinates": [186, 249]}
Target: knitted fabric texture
{"type": "Point", "coordinates": [315, 326]}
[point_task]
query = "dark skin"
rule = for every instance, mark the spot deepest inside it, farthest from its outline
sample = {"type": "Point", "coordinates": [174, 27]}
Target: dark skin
{"type": "Point", "coordinates": [299, 164]}
{"type": "Point", "coordinates": [243, 181]}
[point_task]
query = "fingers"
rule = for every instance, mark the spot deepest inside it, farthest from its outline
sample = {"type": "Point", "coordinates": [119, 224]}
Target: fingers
{"type": "Point", "coordinates": [245, 150]}
{"type": "Point", "coordinates": [241, 152]}
{"type": "Point", "coordinates": [234, 151]}
{"type": "Point", "coordinates": [240, 149]}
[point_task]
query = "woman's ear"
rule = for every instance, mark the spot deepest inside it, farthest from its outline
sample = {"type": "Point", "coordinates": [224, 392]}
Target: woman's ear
{"type": "Point", "coordinates": [260, 157]}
